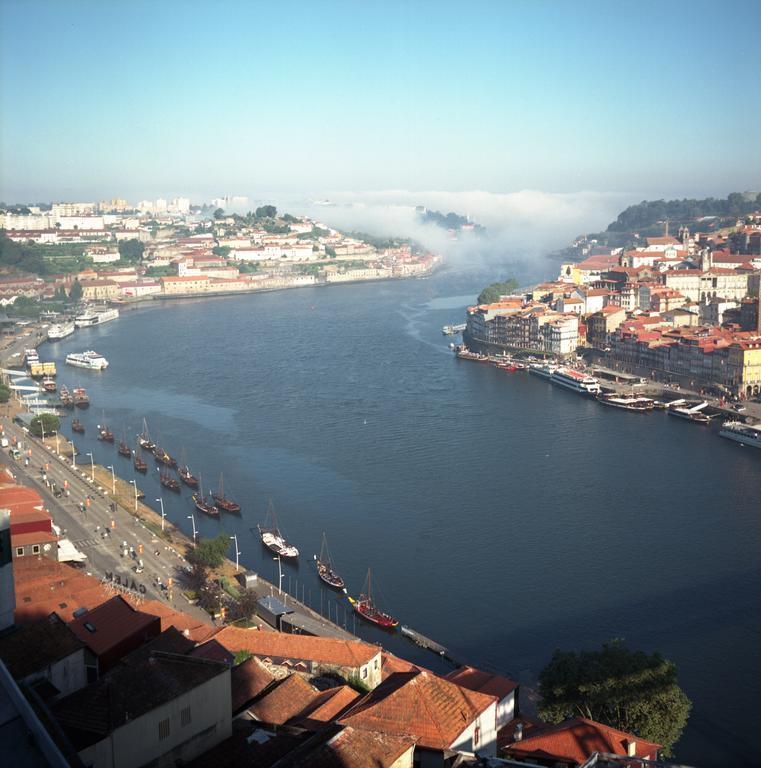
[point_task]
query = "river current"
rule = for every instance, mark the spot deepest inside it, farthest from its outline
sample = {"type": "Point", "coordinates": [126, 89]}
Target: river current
{"type": "Point", "coordinates": [501, 516]}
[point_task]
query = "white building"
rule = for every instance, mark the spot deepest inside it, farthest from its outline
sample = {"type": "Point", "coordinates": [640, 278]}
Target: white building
{"type": "Point", "coordinates": [59, 210]}
{"type": "Point", "coordinates": [561, 335]}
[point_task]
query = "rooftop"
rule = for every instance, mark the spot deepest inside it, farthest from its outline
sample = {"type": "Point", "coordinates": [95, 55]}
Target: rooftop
{"type": "Point", "coordinates": [483, 682]}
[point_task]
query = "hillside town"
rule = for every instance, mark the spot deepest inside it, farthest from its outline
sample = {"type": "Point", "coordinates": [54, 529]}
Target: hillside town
{"type": "Point", "coordinates": [681, 309]}
{"type": "Point", "coordinates": [118, 252]}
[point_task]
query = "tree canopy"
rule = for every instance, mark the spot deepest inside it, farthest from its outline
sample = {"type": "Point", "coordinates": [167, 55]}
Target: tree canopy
{"type": "Point", "coordinates": [5, 393]}
{"type": "Point", "coordinates": [210, 552]}
{"type": "Point", "coordinates": [266, 212]}
{"type": "Point", "coordinates": [131, 250]}
{"type": "Point", "coordinates": [625, 689]}
{"type": "Point", "coordinates": [492, 292]}
{"type": "Point", "coordinates": [75, 294]}
{"type": "Point", "coordinates": [47, 422]}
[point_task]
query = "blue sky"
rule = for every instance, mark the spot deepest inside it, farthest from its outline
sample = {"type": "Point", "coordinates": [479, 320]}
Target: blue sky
{"type": "Point", "coordinates": [139, 99]}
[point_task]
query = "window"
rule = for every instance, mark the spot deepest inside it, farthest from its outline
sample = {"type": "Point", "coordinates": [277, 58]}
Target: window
{"type": "Point", "coordinates": [35, 549]}
{"type": "Point", "coordinates": [19, 551]}
{"type": "Point", "coordinates": [185, 717]}
{"type": "Point", "coordinates": [163, 729]}
{"type": "Point", "coordinates": [364, 672]}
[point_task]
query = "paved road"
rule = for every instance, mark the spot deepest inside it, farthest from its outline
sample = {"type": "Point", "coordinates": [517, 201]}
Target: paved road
{"type": "Point", "coordinates": [91, 531]}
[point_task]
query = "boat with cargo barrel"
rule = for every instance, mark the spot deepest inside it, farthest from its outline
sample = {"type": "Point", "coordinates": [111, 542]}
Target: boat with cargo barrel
{"type": "Point", "coordinates": [187, 476]}
{"type": "Point", "coordinates": [222, 502]}
{"type": "Point", "coordinates": [163, 457]}
{"type": "Point", "coordinates": [272, 538]}
{"type": "Point", "coordinates": [366, 608]}
{"type": "Point", "coordinates": [325, 568]}
{"type": "Point", "coordinates": [169, 481]}
{"type": "Point", "coordinates": [745, 434]}
{"type": "Point", "coordinates": [139, 463]}
{"type": "Point", "coordinates": [200, 503]}
{"type": "Point", "coordinates": [144, 439]}
{"type": "Point", "coordinates": [90, 360]}
{"type": "Point", "coordinates": [105, 434]}
{"type": "Point", "coordinates": [67, 401]}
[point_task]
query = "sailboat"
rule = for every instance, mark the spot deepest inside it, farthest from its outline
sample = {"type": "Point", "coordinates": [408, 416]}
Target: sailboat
{"type": "Point", "coordinates": [139, 463]}
{"type": "Point", "coordinates": [144, 439]}
{"type": "Point", "coordinates": [325, 569]}
{"type": "Point", "coordinates": [163, 456]}
{"type": "Point", "coordinates": [226, 505]}
{"type": "Point", "coordinates": [104, 433]}
{"type": "Point", "coordinates": [168, 480]}
{"type": "Point", "coordinates": [271, 537]}
{"type": "Point", "coordinates": [367, 609]}
{"type": "Point", "coordinates": [124, 449]}
{"type": "Point", "coordinates": [201, 504]}
{"type": "Point", "coordinates": [185, 474]}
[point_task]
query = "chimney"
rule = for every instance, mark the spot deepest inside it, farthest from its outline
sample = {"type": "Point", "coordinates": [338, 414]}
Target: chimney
{"type": "Point", "coordinates": [631, 747]}
{"type": "Point", "coordinates": [518, 735]}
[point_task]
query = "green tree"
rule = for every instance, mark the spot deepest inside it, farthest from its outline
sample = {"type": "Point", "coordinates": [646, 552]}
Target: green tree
{"type": "Point", "coordinates": [219, 214]}
{"type": "Point", "coordinates": [45, 422]}
{"type": "Point", "coordinates": [625, 689]}
{"type": "Point", "coordinates": [131, 250]}
{"type": "Point", "coordinates": [75, 294]}
{"type": "Point", "coordinates": [60, 293]}
{"type": "Point", "coordinates": [210, 552]}
{"type": "Point", "coordinates": [244, 606]}
{"type": "Point", "coordinates": [266, 212]}
{"type": "Point", "coordinates": [492, 292]}
{"type": "Point", "coordinates": [5, 393]}
{"type": "Point", "coordinates": [221, 250]}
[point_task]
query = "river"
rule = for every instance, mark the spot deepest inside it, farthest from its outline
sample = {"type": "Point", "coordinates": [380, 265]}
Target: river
{"type": "Point", "coordinates": [501, 516]}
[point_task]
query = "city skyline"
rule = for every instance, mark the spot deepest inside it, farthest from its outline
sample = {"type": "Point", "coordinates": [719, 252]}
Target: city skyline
{"type": "Point", "coordinates": [312, 99]}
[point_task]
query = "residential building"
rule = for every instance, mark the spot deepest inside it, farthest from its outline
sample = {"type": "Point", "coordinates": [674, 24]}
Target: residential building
{"type": "Point", "coordinates": [602, 323]}
{"type": "Point", "coordinates": [99, 290]}
{"type": "Point", "coordinates": [31, 525]}
{"type": "Point", "coordinates": [503, 688]}
{"type": "Point", "coordinates": [187, 284]}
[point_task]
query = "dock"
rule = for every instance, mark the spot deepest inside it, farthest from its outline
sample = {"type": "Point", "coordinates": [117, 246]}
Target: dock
{"type": "Point", "coordinates": [431, 645]}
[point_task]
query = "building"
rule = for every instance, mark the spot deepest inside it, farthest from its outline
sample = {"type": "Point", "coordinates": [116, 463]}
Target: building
{"type": "Point", "coordinates": [572, 742]}
{"type": "Point", "coordinates": [187, 284]}
{"type": "Point", "coordinates": [99, 290]}
{"type": "Point", "coordinates": [163, 712]}
{"type": "Point", "coordinates": [601, 324]}
{"type": "Point", "coordinates": [503, 688]}
{"type": "Point", "coordinates": [31, 524]}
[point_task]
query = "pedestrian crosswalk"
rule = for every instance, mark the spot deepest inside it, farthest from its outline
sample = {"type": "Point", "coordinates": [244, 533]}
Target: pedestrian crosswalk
{"type": "Point", "coordinates": [87, 543]}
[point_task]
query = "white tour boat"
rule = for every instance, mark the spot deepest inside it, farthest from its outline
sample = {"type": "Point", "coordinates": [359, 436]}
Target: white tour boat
{"type": "Point", "coordinates": [747, 434]}
{"type": "Point", "coordinates": [91, 360]}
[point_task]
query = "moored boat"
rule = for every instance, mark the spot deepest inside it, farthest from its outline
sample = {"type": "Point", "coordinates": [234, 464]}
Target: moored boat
{"type": "Point", "coordinates": [144, 439]}
{"type": "Point", "coordinates": [627, 402]}
{"type": "Point", "coordinates": [105, 434]}
{"type": "Point", "coordinates": [124, 450]}
{"type": "Point", "coordinates": [138, 462]}
{"type": "Point", "coordinates": [200, 503]}
{"type": "Point", "coordinates": [366, 608]}
{"type": "Point", "coordinates": [48, 384]}
{"type": "Point", "coordinates": [325, 568]}
{"type": "Point", "coordinates": [187, 476]}
{"type": "Point", "coordinates": [90, 360]}
{"type": "Point", "coordinates": [77, 426]}
{"type": "Point", "coordinates": [60, 331]}
{"type": "Point", "coordinates": [689, 411]}
{"type": "Point", "coordinates": [80, 397]}
{"type": "Point", "coordinates": [271, 537]}
{"type": "Point", "coordinates": [745, 434]}
{"type": "Point", "coordinates": [67, 401]}
{"type": "Point", "coordinates": [576, 381]}
{"type": "Point", "coordinates": [223, 503]}
{"type": "Point", "coordinates": [169, 481]}
{"type": "Point", "coordinates": [542, 370]}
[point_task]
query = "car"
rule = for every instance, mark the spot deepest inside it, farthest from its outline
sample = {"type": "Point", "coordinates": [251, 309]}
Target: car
{"type": "Point", "coordinates": [740, 408]}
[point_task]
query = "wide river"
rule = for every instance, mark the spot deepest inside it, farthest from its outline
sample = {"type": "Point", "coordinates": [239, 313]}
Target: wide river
{"type": "Point", "coordinates": [500, 515]}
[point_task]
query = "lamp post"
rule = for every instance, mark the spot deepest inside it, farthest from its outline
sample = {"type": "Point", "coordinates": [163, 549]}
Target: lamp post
{"type": "Point", "coordinates": [280, 575]}
{"type": "Point", "coordinates": [134, 485]}
{"type": "Point", "coordinates": [161, 502]}
{"type": "Point", "coordinates": [234, 537]}
{"type": "Point", "coordinates": [57, 449]}
{"type": "Point", "coordinates": [193, 520]}
{"type": "Point", "coordinates": [113, 480]}
{"type": "Point", "coordinates": [92, 467]}
{"type": "Point", "coordinates": [73, 455]}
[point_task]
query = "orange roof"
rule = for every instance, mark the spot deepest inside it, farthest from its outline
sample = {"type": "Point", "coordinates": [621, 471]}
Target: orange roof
{"type": "Point", "coordinates": [328, 706]}
{"type": "Point", "coordinates": [483, 682]}
{"type": "Point", "coordinates": [285, 701]}
{"type": "Point", "coordinates": [247, 681]}
{"type": "Point", "coordinates": [348, 653]}
{"type": "Point", "coordinates": [107, 625]}
{"type": "Point", "coordinates": [433, 710]}
{"type": "Point", "coordinates": [668, 240]}
{"type": "Point", "coordinates": [576, 739]}
{"type": "Point", "coordinates": [32, 537]}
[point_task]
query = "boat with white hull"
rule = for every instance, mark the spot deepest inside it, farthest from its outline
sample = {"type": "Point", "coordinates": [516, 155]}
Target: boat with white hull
{"type": "Point", "coordinates": [746, 434]}
{"type": "Point", "coordinates": [690, 412]}
{"type": "Point", "coordinates": [627, 402]}
{"type": "Point", "coordinates": [90, 360]}
{"type": "Point", "coordinates": [91, 318]}
{"type": "Point", "coordinates": [60, 331]}
{"type": "Point", "coordinates": [543, 370]}
{"type": "Point", "coordinates": [576, 381]}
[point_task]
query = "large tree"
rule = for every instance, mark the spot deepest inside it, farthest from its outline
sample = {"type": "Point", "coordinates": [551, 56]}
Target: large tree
{"type": "Point", "coordinates": [210, 552]}
{"type": "Point", "coordinates": [626, 689]}
{"type": "Point", "coordinates": [45, 424]}
{"type": "Point", "coordinates": [492, 292]}
{"type": "Point", "coordinates": [131, 250]}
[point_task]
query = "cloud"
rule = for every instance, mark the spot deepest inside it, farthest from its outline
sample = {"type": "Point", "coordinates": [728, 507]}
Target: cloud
{"type": "Point", "coordinates": [521, 226]}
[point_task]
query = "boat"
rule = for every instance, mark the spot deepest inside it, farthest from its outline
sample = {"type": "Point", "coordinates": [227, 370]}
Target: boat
{"type": "Point", "coordinates": [31, 357]}
{"type": "Point", "coordinates": [689, 411]}
{"type": "Point", "coordinates": [67, 401]}
{"type": "Point", "coordinates": [138, 463]}
{"type": "Point", "coordinates": [163, 457]}
{"type": "Point", "coordinates": [144, 439]}
{"type": "Point", "coordinates": [89, 359]}
{"type": "Point", "coordinates": [627, 402]}
{"type": "Point", "coordinates": [576, 381]}
{"type": "Point", "coordinates": [325, 569]}
{"type": "Point", "coordinates": [463, 353]}
{"type": "Point", "coordinates": [225, 504]}
{"type": "Point", "coordinates": [271, 537]}
{"type": "Point", "coordinates": [169, 481]}
{"type": "Point", "coordinates": [367, 609]}
{"type": "Point", "coordinates": [123, 449]}
{"type": "Point", "coordinates": [80, 397]}
{"type": "Point", "coordinates": [48, 384]}
{"type": "Point", "coordinates": [746, 434]}
{"type": "Point", "coordinates": [105, 434]}
{"type": "Point", "coordinates": [543, 370]}
{"type": "Point", "coordinates": [77, 426]}
{"type": "Point", "coordinates": [187, 476]}
{"type": "Point", "coordinates": [201, 504]}
{"type": "Point", "coordinates": [92, 317]}
{"type": "Point", "coordinates": [59, 331]}
{"type": "Point", "coordinates": [451, 330]}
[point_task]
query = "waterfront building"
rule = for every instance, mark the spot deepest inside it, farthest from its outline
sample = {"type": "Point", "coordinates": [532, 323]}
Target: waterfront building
{"type": "Point", "coordinates": [187, 284]}
{"type": "Point", "coordinates": [602, 323]}
{"type": "Point", "coordinates": [99, 290]}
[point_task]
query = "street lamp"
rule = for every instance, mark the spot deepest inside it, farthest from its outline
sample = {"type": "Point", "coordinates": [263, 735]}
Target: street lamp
{"type": "Point", "coordinates": [193, 520]}
{"type": "Point", "coordinates": [92, 467]}
{"type": "Point", "coordinates": [134, 485]}
{"type": "Point", "coordinates": [73, 455]}
{"type": "Point", "coordinates": [234, 537]}
{"type": "Point", "coordinates": [57, 450]}
{"type": "Point", "coordinates": [280, 575]}
{"type": "Point", "coordinates": [113, 480]}
{"type": "Point", "coordinates": [161, 501]}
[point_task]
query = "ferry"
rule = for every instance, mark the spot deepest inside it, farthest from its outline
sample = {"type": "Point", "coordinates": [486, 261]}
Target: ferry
{"type": "Point", "coordinates": [90, 360]}
{"type": "Point", "coordinates": [690, 412]}
{"type": "Point", "coordinates": [746, 434]}
{"type": "Point", "coordinates": [576, 381]}
{"type": "Point", "coordinates": [60, 331]}
{"type": "Point", "coordinates": [543, 370]}
{"type": "Point", "coordinates": [451, 330]}
{"type": "Point", "coordinates": [627, 402]}
{"type": "Point", "coordinates": [48, 384]}
{"type": "Point", "coordinates": [91, 318]}
{"type": "Point", "coordinates": [31, 357]}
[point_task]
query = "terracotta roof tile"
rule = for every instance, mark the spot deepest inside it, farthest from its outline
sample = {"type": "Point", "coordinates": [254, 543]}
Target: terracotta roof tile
{"type": "Point", "coordinates": [248, 680]}
{"type": "Point", "coordinates": [328, 706]}
{"type": "Point", "coordinates": [292, 697]}
{"type": "Point", "coordinates": [483, 682]}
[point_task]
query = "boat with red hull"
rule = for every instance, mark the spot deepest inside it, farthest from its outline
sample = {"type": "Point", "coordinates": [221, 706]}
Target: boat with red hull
{"type": "Point", "coordinates": [187, 476]}
{"type": "Point", "coordinates": [367, 609]}
{"type": "Point", "coordinates": [77, 426]}
{"type": "Point", "coordinates": [200, 503]}
{"type": "Point", "coordinates": [223, 503]}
